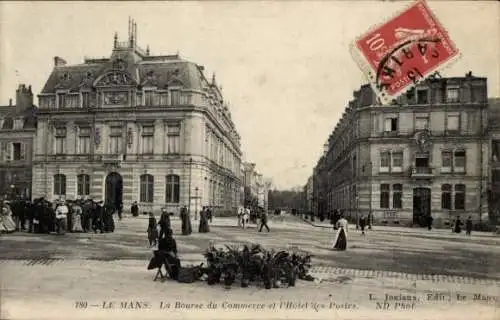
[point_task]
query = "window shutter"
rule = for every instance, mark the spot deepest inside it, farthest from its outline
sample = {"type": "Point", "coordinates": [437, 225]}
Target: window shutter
{"type": "Point", "coordinates": [23, 151]}
{"type": "Point", "coordinates": [9, 151]}
{"type": "Point", "coordinates": [388, 124]}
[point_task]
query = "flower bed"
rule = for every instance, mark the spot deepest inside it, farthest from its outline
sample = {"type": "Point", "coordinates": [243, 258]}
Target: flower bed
{"type": "Point", "coordinates": [254, 264]}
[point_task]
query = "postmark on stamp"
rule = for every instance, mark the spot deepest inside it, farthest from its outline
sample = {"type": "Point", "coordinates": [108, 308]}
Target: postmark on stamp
{"type": "Point", "coordinates": [403, 51]}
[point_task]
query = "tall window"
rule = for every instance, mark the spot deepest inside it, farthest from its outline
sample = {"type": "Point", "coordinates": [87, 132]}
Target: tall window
{"type": "Point", "coordinates": [83, 185]}
{"type": "Point", "coordinates": [148, 139]}
{"type": "Point", "coordinates": [84, 141]}
{"type": "Point", "coordinates": [421, 122]}
{"type": "Point", "coordinates": [176, 97]}
{"type": "Point", "coordinates": [115, 140]}
{"type": "Point", "coordinates": [60, 140]}
{"type": "Point", "coordinates": [384, 195]}
{"type": "Point", "coordinates": [446, 161]}
{"type": "Point", "coordinates": [385, 161]}
{"type": "Point", "coordinates": [18, 151]}
{"type": "Point", "coordinates": [61, 100]}
{"type": "Point", "coordinates": [397, 196]}
{"type": "Point", "coordinates": [391, 124]}
{"type": "Point", "coordinates": [446, 196]}
{"type": "Point", "coordinates": [147, 188]}
{"type": "Point", "coordinates": [459, 165]}
{"type": "Point", "coordinates": [59, 185]}
{"type": "Point", "coordinates": [459, 197]}
{"type": "Point", "coordinates": [452, 94]}
{"type": "Point", "coordinates": [85, 100]}
{"type": "Point", "coordinates": [422, 96]}
{"type": "Point", "coordinates": [397, 161]}
{"type": "Point", "coordinates": [173, 138]}
{"type": "Point", "coordinates": [149, 98]}
{"type": "Point", "coordinates": [164, 99]}
{"type": "Point", "coordinates": [173, 189]}
{"type": "Point", "coordinates": [138, 101]}
{"type": "Point", "coordinates": [453, 122]}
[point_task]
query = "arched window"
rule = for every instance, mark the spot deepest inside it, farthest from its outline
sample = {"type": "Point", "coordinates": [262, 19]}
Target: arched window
{"type": "Point", "coordinates": [446, 196]}
{"type": "Point", "coordinates": [59, 185]}
{"type": "Point", "coordinates": [83, 184]}
{"type": "Point", "coordinates": [173, 190]}
{"type": "Point", "coordinates": [460, 197]}
{"type": "Point", "coordinates": [147, 188]}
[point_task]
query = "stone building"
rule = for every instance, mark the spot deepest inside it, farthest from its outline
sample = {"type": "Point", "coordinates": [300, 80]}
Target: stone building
{"type": "Point", "coordinates": [17, 133]}
{"type": "Point", "coordinates": [308, 195]}
{"type": "Point", "coordinates": [136, 127]}
{"type": "Point", "coordinates": [426, 154]}
{"type": "Point", "coordinates": [494, 133]}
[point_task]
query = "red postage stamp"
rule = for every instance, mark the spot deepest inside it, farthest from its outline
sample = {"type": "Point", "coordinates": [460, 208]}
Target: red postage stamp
{"type": "Point", "coordinates": [404, 51]}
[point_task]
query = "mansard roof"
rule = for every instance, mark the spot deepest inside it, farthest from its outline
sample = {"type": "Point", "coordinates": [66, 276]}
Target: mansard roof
{"type": "Point", "coordinates": [160, 73]}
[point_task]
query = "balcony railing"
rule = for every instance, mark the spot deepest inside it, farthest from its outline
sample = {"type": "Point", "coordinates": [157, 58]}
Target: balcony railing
{"type": "Point", "coordinates": [422, 172]}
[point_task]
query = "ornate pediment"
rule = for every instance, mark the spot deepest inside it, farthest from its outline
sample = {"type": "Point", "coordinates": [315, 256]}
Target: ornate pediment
{"type": "Point", "coordinates": [114, 79]}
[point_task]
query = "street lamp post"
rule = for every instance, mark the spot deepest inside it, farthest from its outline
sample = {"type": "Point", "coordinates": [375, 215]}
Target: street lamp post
{"type": "Point", "coordinates": [196, 203]}
{"type": "Point", "coordinates": [189, 186]}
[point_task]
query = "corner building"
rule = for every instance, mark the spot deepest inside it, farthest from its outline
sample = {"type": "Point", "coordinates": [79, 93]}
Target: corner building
{"type": "Point", "coordinates": [136, 127]}
{"type": "Point", "coordinates": [426, 154]}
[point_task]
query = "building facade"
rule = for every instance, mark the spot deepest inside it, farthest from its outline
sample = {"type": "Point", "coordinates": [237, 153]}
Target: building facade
{"type": "Point", "coordinates": [136, 127]}
{"type": "Point", "coordinates": [426, 154]}
{"type": "Point", "coordinates": [17, 134]}
{"type": "Point", "coordinates": [494, 174]}
{"type": "Point", "coordinates": [308, 195]}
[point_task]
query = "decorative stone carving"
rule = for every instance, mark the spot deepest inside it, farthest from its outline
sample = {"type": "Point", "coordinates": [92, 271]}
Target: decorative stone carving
{"type": "Point", "coordinates": [119, 64]}
{"type": "Point", "coordinates": [115, 79]}
{"type": "Point", "coordinates": [114, 98]}
{"type": "Point", "coordinates": [422, 139]}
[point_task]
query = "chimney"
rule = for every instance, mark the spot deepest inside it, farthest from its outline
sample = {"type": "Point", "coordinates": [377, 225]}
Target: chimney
{"type": "Point", "coordinates": [59, 62]}
{"type": "Point", "coordinates": [10, 102]}
{"type": "Point", "coordinates": [24, 97]}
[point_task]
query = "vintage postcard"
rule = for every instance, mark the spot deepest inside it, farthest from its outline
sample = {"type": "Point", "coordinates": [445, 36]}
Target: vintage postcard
{"type": "Point", "coordinates": [250, 160]}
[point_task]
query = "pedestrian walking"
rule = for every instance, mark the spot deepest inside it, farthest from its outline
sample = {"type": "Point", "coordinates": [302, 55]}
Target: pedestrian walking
{"type": "Point", "coordinates": [468, 226]}
{"type": "Point", "coordinates": [152, 230]}
{"type": "Point", "coordinates": [362, 223]}
{"type": "Point", "coordinates": [458, 225]}
{"type": "Point", "coordinates": [164, 222]}
{"type": "Point", "coordinates": [203, 227]}
{"type": "Point", "coordinates": [263, 221]}
{"type": "Point", "coordinates": [134, 209]}
{"type": "Point", "coordinates": [340, 239]}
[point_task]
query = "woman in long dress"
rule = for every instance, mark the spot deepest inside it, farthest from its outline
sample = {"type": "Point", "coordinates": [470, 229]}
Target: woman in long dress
{"type": "Point", "coordinates": [7, 224]}
{"type": "Point", "coordinates": [340, 240]}
{"type": "Point", "coordinates": [77, 218]}
{"type": "Point", "coordinates": [203, 227]}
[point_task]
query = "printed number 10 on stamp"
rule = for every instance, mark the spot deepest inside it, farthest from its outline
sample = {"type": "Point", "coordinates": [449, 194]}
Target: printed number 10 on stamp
{"type": "Point", "coordinates": [404, 51]}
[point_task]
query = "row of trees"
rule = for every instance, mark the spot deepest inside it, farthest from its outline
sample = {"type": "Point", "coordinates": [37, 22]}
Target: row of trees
{"type": "Point", "coordinates": [292, 199]}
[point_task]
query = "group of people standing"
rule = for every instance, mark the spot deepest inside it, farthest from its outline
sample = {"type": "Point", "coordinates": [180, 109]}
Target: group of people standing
{"type": "Point", "coordinates": [457, 225]}
{"type": "Point", "coordinates": [59, 216]}
{"type": "Point", "coordinates": [157, 230]}
{"type": "Point", "coordinates": [244, 216]}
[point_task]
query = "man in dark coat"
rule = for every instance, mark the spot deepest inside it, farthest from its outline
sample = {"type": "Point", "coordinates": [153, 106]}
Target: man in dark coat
{"type": "Point", "coordinates": [97, 214]}
{"type": "Point", "coordinates": [134, 209]}
{"type": "Point", "coordinates": [468, 226]}
{"type": "Point", "coordinates": [362, 224]}
{"type": "Point", "coordinates": [458, 225]}
{"type": "Point", "coordinates": [263, 221]}
{"type": "Point", "coordinates": [186, 221]}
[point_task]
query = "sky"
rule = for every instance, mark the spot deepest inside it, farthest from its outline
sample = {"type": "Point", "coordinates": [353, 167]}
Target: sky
{"type": "Point", "coordinates": [285, 67]}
